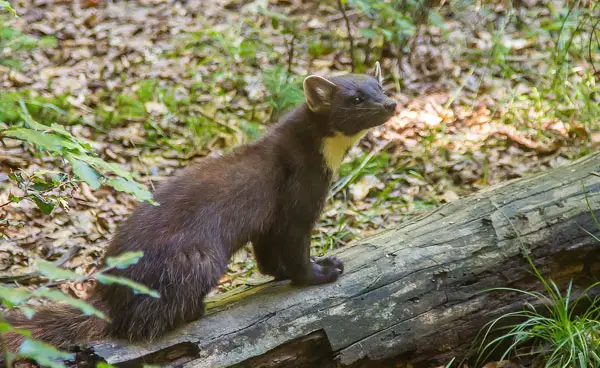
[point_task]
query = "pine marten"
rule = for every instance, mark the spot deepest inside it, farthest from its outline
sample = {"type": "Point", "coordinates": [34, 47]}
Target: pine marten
{"type": "Point", "coordinates": [269, 193]}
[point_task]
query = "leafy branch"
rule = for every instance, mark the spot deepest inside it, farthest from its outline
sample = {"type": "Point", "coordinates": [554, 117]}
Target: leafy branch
{"type": "Point", "coordinates": [6, 6]}
{"type": "Point", "coordinates": [86, 166]}
{"type": "Point", "coordinates": [17, 298]}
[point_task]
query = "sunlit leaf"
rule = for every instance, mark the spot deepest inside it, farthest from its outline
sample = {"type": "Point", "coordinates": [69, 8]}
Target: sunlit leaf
{"type": "Point", "coordinates": [14, 296]}
{"type": "Point", "coordinates": [6, 5]}
{"type": "Point", "coordinates": [7, 327]}
{"type": "Point", "coordinates": [53, 272]}
{"type": "Point", "coordinates": [58, 296]}
{"type": "Point", "coordinates": [48, 142]}
{"type": "Point", "coordinates": [124, 260]}
{"type": "Point", "coordinates": [107, 166]}
{"type": "Point", "coordinates": [27, 311]}
{"type": "Point", "coordinates": [44, 354]}
{"type": "Point", "coordinates": [136, 287]}
{"type": "Point", "coordinates": [84, 172]}
{"type": "Point", "coordinates": [129, 186]}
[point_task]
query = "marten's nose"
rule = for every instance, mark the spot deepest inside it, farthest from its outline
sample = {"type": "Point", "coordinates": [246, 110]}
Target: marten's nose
{"type": "Point", "coordinates": [390, 105]}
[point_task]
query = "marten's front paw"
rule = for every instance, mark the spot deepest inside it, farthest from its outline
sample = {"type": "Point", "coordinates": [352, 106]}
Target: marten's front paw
{"type": "Point", "coordinates": [330, 261]}
{"type": "Point", "coordinates": [321, 271]}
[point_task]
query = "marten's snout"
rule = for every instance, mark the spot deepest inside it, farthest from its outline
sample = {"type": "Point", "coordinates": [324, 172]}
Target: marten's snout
{"type": "Point", "coordinates": [390, 105]}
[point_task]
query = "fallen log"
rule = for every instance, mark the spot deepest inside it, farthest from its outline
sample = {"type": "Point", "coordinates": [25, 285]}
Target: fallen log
{"type": "Point", "coordinates": [409, 294]}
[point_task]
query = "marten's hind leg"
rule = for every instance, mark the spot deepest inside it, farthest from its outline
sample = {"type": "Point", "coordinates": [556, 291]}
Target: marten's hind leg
{"type": "Point", "coordinates": [182, 283]}
{"type": "Point", "coordinates": [149, 318]}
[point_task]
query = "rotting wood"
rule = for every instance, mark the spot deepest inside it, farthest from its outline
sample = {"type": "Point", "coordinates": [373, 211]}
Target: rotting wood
{"type": "Point", "coordinates": [412, 293]}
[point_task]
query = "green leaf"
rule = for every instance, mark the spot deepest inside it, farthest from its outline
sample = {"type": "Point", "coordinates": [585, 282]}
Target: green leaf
{"type": "Point", "coordinates": [124, 260]}
{"type": "Point", "coordinates": [28, 312]}
{"type": "Point", "coordinates": [388, 34]}
{"type": "Point", "coordinates": [129, 186]}
{"type": "Point", "coordinates": [368, 33]}
{"type": "Point", "coordinates": [48, 142]}
{"type": "Point", "coordinates": [53, 272]}
{"type": "Point", "coordinates": [14, 296]}
{"type": "Point", "coordinates": [44, 354]}
{"type": "Point", "coordinates": [82, 145]}
{"type": "Point", "coordinates": [84, 172]}
{"type": "Point", "coordinates": [108, 166]}
{"type": "Point", "coordinates": [13, 198]}
{"type": "Point", "coordinates": [6, 5]}
{"type": "Point", "coordinates": [58, 296]}
{"type": "Point", "coordinates": [45, 206]}
{"type": "Point", "coordinates": [29, 120]}
{"type": "Point", "coordinates": [7, 327]}
{"type": "Point", "coordinates": [40, 184]}
{"type": "Point", "coordinates": [135, 286]}
{"type": "Point", "coordinates": [436, 19]}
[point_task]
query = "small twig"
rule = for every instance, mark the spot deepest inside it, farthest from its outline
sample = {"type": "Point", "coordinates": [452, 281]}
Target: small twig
{"type": "Point", "coordinates": [291, 55]}
{"type": "Point", "coordinates": [368, 49]}
{"type": "Point", "coordinates": [597, 41]}
{"type": "Point", "coordinates": [350, 39]}
{"type": "Point", "coordinates": [592, 34]}
{"type": "Point", "coordinates": [144, 166]}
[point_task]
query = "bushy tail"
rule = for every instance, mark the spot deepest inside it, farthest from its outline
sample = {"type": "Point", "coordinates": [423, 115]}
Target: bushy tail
{"type": "Point", "coordinates": [57, 324]}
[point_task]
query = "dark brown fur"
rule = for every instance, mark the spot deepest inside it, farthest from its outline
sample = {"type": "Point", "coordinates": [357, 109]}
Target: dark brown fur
{"type": "Point", "coordinates": [269, 193]}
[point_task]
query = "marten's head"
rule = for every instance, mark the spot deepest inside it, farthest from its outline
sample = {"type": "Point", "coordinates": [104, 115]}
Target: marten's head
{"type": "Point", "coordinates": [353, 102]}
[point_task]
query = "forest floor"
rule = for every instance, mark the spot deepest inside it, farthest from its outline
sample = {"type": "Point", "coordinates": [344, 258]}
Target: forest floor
{"type": "Point", "coordinates": [484, 95]}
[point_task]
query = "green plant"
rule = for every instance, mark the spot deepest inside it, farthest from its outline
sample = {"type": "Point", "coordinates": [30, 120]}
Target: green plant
{"type": "Point", "coordinates": [566, 89]}
{"type": "Point", "coordinates": [291, 27]}
{"type": "Point", "coordinates": [394, 22]}
{"type": "Point", "coordinates": [16, 298]}
{"type": "Point", "coordinates": [55, 140]}
{"type": "Point", "coordinates": [6, 6]}
{"type": "Point", "coordinates": [562, 338]}
{"type": "Point", "coordinates": [13, 41]}
{"type": "Point", "coordinates": [282, 95]}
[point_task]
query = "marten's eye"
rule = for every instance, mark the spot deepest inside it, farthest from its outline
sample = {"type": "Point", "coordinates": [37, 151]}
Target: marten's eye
{"type": "Point", "coordinates": [358, 100]}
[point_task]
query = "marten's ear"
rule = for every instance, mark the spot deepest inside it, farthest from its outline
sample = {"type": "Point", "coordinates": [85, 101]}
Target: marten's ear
{"type": "Point", "coordinates": [378, 73]}
{"type": "Point", "coordinates": [319, 92]}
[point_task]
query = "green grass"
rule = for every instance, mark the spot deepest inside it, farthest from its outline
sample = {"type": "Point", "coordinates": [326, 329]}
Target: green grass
{"type": "Point", "coordinates": [557, 331]}
{"type": "Point", "coordinates": [552, 330]}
